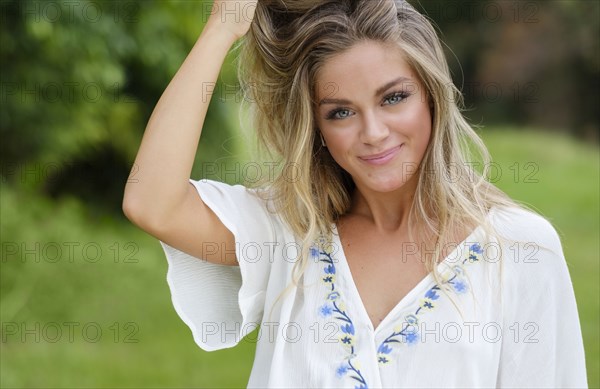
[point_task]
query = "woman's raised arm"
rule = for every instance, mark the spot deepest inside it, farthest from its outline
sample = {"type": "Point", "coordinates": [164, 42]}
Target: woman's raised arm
{"type": "Point", "coordinates": [161, 200]}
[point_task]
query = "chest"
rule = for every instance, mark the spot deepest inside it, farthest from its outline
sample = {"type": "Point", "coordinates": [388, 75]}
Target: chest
{"type": "Point", "coordinates": [384, 269]}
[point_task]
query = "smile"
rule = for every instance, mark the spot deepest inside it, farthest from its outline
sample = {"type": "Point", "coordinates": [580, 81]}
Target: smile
{"type": "Point", "coordinates": [381, 158]}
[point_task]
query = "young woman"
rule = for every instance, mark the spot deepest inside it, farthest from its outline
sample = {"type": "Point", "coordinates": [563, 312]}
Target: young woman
{"type": "Point", "coordinates": [376, 256]}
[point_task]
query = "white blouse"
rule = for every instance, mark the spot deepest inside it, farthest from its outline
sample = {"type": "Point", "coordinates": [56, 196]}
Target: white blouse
{"type": "Point", "coordinates": [521, 330]}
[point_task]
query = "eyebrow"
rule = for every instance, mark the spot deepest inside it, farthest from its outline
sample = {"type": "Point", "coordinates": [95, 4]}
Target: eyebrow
{"type": "Point", "coordinates": [378, 92]}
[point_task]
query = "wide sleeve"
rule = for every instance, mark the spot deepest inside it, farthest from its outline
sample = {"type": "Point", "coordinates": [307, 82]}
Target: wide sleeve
{"type": "Point", "coordinates": [542, 345]}
{"type": "Point", "coordinates": [221, 304]}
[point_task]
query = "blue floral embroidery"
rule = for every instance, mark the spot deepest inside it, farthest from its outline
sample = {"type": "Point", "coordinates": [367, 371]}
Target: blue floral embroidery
{"type": "Point", "coordinates": [408, 332]}
{"type": "Point", "coordinates": [432, 294]}
{"type": "Point", "coordinates": [342, 370]}
{"type": "Point", "coordinates": [325, 310]}
{"type": "Point", "coordinates": [335, 306]}
{"type": "Point", "coordinates": [459, 286]}
{"type": "Point", "coordinates": [314, 252]}
{"type": "Point", "coordinates": [329, 279]}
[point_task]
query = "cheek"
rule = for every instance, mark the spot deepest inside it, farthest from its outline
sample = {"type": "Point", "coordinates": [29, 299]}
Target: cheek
{"type": "Point", "coordinates": [416, 123]}
{"type": "Point", "coordinates": [339, 146]}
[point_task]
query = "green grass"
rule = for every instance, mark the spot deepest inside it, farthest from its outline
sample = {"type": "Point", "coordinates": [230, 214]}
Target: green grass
{"type": "Point", "coordinates": [151, 348]}
{"type": "Point", "coordinates": [110, 290]}
{"type": "Point", "coordinates": [560, 178]}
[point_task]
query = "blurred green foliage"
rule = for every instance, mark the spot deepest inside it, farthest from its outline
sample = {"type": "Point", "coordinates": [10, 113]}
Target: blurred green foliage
{"type": "Point", "coordinates": [80, 79]}
{"type": "Point", "coordinates": [524, 62]}
{"type": "Point", "coordinates": [79, 82]}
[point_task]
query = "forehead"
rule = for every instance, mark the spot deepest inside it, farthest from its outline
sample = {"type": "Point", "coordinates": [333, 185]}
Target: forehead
{"type": "Point", "coordinates": [362, 68]}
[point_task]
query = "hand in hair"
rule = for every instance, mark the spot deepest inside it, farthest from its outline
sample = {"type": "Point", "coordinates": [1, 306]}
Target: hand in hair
{"type": "Point", "coordinates": [235, 16]}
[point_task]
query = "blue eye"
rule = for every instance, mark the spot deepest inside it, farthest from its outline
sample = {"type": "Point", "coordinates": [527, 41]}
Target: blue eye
{"type": "Point", "coordinates": [338, 114]}
{"type": "Point", "coordinates": [391, 99]}
{"type": "Point", "coordinates": [396, 98]}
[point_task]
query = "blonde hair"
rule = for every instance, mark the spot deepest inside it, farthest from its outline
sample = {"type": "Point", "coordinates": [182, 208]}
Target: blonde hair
{"type": "Point", "coordinates": [289, 41]}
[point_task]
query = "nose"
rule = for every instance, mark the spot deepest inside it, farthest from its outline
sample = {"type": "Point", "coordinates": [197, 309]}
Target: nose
{"type": "Point", "coordinates": [374, 130]}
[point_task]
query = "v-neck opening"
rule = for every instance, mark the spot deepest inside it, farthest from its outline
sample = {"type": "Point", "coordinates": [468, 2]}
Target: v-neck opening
{"type": "Point", "coordinates": [428, 279]}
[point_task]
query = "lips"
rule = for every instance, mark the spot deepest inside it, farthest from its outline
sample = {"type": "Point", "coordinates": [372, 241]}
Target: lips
{"type": "Point", "coordinates": [381, 158]}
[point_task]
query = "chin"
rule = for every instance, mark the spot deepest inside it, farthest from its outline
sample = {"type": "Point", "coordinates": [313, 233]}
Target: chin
{"type": "Point", "coordinates": [386, 185]}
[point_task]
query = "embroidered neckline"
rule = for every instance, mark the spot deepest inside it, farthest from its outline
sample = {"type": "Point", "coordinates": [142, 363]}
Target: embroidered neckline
{"type": "Point", "coordinates": [408, 331]}
{"type": "Point", "coordinates": [334, 305]}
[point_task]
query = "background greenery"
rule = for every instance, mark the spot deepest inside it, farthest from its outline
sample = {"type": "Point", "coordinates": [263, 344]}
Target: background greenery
{"type": "Point", "coordinates": [78, 83]}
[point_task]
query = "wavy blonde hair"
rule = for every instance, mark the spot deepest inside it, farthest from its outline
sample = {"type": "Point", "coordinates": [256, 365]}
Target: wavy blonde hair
{"type": "Point", "coordinates": [288, 43]}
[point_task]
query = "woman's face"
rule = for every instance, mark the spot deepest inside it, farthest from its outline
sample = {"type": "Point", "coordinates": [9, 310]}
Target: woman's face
{"type": "Point", "coordinates": [374, 115]}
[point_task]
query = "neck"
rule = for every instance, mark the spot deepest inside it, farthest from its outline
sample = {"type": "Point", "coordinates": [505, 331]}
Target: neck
{"type": "Point", "coordinates": [387, 211]}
